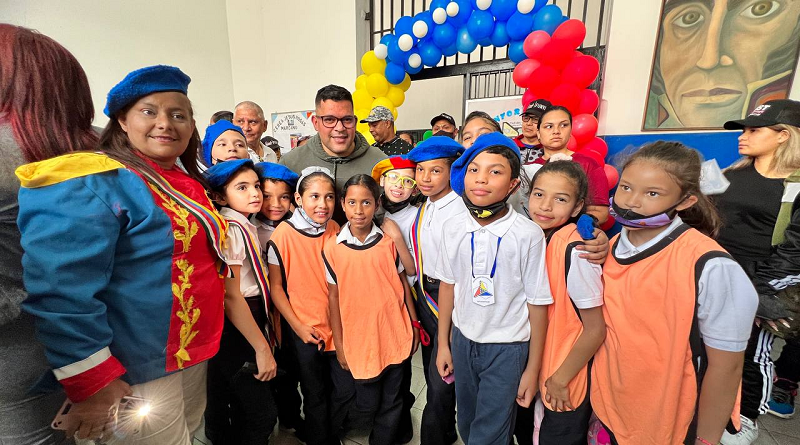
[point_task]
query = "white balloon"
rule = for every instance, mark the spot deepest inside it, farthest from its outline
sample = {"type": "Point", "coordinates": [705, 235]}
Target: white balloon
{"type": "Point", "coordinates": [439, 16]}
{"type": "Point", "coordinates": [525, 6]}
{"type": "Point", "coordinates": [483, 5]}
{"type": "Point", "coordinates": [405, 42]}
{"type": "Point", "coordinates": [452, 9]}
{"type": "Point", "coordinates": [414, 60]}
{"type": "Point", "coordinates": [381, 51]}
{"type": "Point", "coordinates": [420, 29]}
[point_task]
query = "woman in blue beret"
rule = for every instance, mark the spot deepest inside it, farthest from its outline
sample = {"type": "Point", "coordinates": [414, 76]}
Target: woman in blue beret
{"type": "Point", "coordinates": [122, 266]}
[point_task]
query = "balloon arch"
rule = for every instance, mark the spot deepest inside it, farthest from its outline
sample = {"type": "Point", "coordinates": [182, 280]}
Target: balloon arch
{"type": "Point", "coordinates": [541, 41]}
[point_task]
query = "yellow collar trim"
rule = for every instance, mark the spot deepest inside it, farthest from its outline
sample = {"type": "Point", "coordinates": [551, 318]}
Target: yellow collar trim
{"type": "Point", "coordinates": [64, 167]}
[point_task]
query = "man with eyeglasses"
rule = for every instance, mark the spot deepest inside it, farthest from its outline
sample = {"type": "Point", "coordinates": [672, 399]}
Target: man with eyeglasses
{"type": "Point", "coordinates": [528, 140]}
{"type": "Point", "coordinates": [381, 127]}
{"type": "Point", "coordinates": [336, 146]}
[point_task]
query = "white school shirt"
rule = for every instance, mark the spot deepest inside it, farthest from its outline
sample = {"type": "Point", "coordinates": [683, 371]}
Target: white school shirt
{"type": "Point", "coordinates": [436, 213]}
{"type": "Point", "coordinates": [584, 282]}
{"type": "Point", "coordinates": [345, 236]}
{"type": "Point", "coordinates": [264, 231]}
{"type": "Point", "coordinates": [405, 219]}
{"type": "Point", "coordinates": [726, 298]}
{"type": "Point", "coordinates": [520, 277]}
{"type": "Point", "coordinates": [269, 154]}
{"type": "Point", "coordinates": [235, 252]}
{"type": "Point", "coordinates": [300, 224]}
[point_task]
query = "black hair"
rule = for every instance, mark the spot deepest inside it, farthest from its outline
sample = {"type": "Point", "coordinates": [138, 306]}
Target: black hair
{"type": "Point", "coordinates": [684, 165]}
{"type": "Point", "coordinates": [552, 109]}
{"type": "Point", "coordinates": [334, 93]}
{"type": "Point", "coordinates": [304, 183]}
{"type": "Point", "coordinates": [479, 115]}
{"type": "Point", "coordinates": [364, 181]}
{"type": "Point", "coordinates": [222, 115]}
{"type": "Point", "coordinates": [218, 193]}
{"type": "Point", "coordinates": [513, 160]}
{"type": "Point", "coordinates": [409, 135]}
{"type": "Point", "coordinates": [279, 181]}
{"type": "Point", "coordinates": [572, 171]}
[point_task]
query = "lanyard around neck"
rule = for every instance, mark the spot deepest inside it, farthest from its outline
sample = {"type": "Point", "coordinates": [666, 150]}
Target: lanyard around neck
{"type": "Point", "coordinates": [472, 248]}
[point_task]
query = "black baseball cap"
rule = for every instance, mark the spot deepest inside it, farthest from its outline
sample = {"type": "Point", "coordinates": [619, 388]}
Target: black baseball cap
{"type": "Point", "coordinates": [537, 108]}
{"type": "Point", "coordinates": [444, 116]}
{"type": "Point", "coordinates": [782, 111]}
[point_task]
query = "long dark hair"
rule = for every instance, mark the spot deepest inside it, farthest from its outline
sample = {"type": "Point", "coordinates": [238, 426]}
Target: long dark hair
{"type": "Point", "coordinates": [683, 164]}
{"type": "Point", "coordinates": [44, 94]}
{"type": "Point", "coordinates": [572, 171]}
{"type": "Point", "coordinates": [115, 143]}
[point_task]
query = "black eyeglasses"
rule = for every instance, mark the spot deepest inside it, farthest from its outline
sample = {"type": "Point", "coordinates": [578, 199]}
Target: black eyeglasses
{"type": "Point", "coordinates": [333, 121]}
{"type": "Point", "coordinates": [526, 118]}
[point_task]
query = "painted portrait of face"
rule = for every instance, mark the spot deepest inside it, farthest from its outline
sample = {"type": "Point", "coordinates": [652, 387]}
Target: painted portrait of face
{"type": "Point", "coordinates": [716, 60]}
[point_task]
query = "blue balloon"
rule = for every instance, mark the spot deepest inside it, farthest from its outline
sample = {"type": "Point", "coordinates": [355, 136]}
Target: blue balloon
{"type": "Point", "coordinates": [396, 54]}
{"type": "Point", "coordinates": [436, 4]}
{"type": "Point", "coordinates": [500, 35]}
{"type": "Point", "coordinates": [394, 73]}
{"type": "Point", "coordinates": [465, 43]}
{"type": "Point", "coordinates": [502, 10]}
{"type": "Point", "coordinates": [444, 35]}
{"type": "Point", "coordinates": [404, 25]}
{"type": "Point", "coordinates": [519, 26]}
{"type": "Point", "coordinates": [480, 24]}
{"type": "Point", "coordinates": [427, 17]}
{"type": "Point", "coordinates": [387, 39]}
{"type": "Point", "coordinates": [408, 67]}
{"type": "Point", "coordinates": [515, 51]}
{"type": "Point", "coordinates": [485, 42]}
{"type": "Point", "coordinates": [547, 19]}
{"type": "Point", "coordinates": [539, 5]}
{"type": "Point", "coordinates": [451, 50]}
{"type": "Point", "coordinates": [464, 11]}
{"type": "Point", "coordinates": [430, 53]}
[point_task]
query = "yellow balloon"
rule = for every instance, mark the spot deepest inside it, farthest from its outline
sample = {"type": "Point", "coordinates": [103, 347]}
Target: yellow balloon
{"type": "Point", "coordinates": [361, 82]}
{"type": "Point", "coordinates": [371, 64]}
{"type": "Point", "coordinates": [396, 95]}
{"type": "Point", "coordinates": [362, 128]}
{"type": "Point", "coordinates": [382, 102]}
{"type": "Point", "coordinates": [405, 84]}
{"type": "Point", "coordinates": [377, 85]}
{"type": "Point", "coordinates": [362, 113]}
{"type": "Point", "coordinates": [362, 99]}
{"type": "Point", "coordinates": [368, 136]}
{"type": "Point", "coordinates": [394, 112]}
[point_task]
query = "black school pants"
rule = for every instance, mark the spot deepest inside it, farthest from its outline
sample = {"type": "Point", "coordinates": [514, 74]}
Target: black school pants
{"type": "Point", "coordinates": [287, 395]}
{"type": "Point", "coordinates": [380, 402]}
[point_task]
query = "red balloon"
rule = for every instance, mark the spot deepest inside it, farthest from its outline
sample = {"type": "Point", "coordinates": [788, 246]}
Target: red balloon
{"type": "Point", "coordinates": [527, 98]}
{"type": "Point", "coordinates": [612, 175]}
{"type": "Point", "coordinates": [572, 144]}
{"type": "Point", "coordinates": [596, 148]}
{"type": "Point", "coordinates": [589, 102]}
{"type": "Point", "coordinates": [571, 32]}
{"type": "Point", "coordinates": [581, 71]}
{"type": "Point", "coordinates": [556, 53]}
{"type": "Point", "coordinates": [606, 226]}
{"type": "Point", "coordinates": [544, 80]}
{"type": "Point", "coordinates": [584, 128]}
{"type": "Point", "coordinates": [566, 95]}
{"type": "Point", "coordinates": [523, 72]}
{"type": "Point", "coordinates": [534, 43]}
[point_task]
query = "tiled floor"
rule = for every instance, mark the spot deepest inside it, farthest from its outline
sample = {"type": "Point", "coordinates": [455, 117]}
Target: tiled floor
{"type": "Point", "coordinates": [773, 431]}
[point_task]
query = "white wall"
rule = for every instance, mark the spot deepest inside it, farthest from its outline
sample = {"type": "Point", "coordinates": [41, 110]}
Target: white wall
{"type": "Point", "coordinates": [111, 39]}
{"type": "Point", "coordinates": [428, 98]}
{"type": "Point", "coordinates": [634, 29]}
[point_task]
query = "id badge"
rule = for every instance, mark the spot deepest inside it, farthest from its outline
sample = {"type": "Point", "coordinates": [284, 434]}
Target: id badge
{"type": "Point", "coordinates": [483, 290]}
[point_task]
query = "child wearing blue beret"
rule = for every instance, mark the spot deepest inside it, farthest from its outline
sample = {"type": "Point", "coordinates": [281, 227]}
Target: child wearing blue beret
{"type": "Point", "coordinates": [223, 141]}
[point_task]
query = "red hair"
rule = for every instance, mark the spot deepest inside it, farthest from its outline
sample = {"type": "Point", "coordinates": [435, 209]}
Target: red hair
{"type": "Point", "coordinates": [44, 95]}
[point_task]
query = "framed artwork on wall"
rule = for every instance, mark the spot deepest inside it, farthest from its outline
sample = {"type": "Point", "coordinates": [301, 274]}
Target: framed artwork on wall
{"type": "Point", "coordinates": [716, 60]}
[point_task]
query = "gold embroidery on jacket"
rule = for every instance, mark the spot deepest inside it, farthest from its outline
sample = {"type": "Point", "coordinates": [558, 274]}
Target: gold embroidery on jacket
{"type": "Point", "coordinates": [181, 219]}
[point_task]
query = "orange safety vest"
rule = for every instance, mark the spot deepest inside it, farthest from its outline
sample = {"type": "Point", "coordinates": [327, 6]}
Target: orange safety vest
{"type": "Point", "coordinates": [376, 327]}
{"type": "Point", "coordinates": [647, 375]}
{"type": "Point", "coordinates": [303, 273]}
{"type": "Point", "coordinates": [564, 324]}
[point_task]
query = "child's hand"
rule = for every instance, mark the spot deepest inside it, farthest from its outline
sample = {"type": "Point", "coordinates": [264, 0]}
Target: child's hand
{"type": "Point", "coordinates": [444, 361]}
{"type": "Point", "coordinates": [527, 389]}
{"type": "Point", "coordinates": [596, 249]}
{"type": "Point", "coordinates": [341, 358]}
{"type": "Point", "coordinates": [267, 367]}
{"type": "Point", "coordinates": [308, 334]}
{"type": "Point", "coordinates": [391, 229]}
{"type": "Point", "coordinates": [415, 345]}
{"type": "Point", "coordinates": [557, 395]}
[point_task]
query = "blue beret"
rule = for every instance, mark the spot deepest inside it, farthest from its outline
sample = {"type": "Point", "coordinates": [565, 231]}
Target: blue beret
{"type": "Point", "coordinates": [269, 170]}
{"type": "Point", "coordinates": [212, 133]}
{"type": "Point", "coordinates": [221, 173]}
{"type": "Point", "coordinates": [144, 81]}
{"type": "Point", "coordinates": [489, 140]}
{"type": "Point", "coordinates": [435, 147]}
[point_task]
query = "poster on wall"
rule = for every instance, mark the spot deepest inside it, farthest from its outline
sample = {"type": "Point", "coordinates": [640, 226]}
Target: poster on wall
{"type": "Point", "coordinates": [507, 111]}
{"type": "Point", "coordinates": [717, 60]}
{"type": "Point", "coordinates": [287, 128]}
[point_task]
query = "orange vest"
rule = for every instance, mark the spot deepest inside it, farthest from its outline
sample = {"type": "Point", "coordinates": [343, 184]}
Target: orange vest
{"type": "Point", "coordinates": [303, 273]}
{"type": "Point", "coordinates": [376, 328]}
{"type": "Point", "coordinates": [646, 376]}
{"type": "Point", "coordinates": [564, 325]}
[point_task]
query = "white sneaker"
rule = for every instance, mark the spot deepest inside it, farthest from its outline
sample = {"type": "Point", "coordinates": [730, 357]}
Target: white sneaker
{"type": "Point", "coordinates": [746, 435]}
